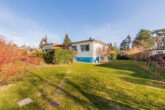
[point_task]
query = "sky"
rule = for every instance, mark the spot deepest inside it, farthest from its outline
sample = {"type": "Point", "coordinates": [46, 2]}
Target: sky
{"type": "Point", "coordinates": [28, 21]}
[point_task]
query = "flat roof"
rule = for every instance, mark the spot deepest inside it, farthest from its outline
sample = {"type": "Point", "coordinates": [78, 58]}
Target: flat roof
{"type": "Point", "coordinates": [97, 41]}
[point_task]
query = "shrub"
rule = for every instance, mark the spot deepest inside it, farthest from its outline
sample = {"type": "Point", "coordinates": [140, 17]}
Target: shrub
{"type": "Point", "coordinates": [34, 56]}
{"type": "Point", "coordinates": [162, 55]}
{"type": "Point", "coordinates": [48, 56]}
{"type": "Point", "coordinates": [113, 56]}
{"type": "Point", "coordinates": [34, 60]}
{"type": "Point", "coordinates": [122, 57]}
{"type": "Point", "coordinates": [10, 55]}
{"type": "Point", "coordinates": [137, 53]}
{"type": "Point", "coordinates": [14, 71]}
{"type": "Point", "coordinates": [63, 56]}
{"type": "Point", "coordinates": [158, 60]}
{"type": "Point", "coordinates": [58, 56]}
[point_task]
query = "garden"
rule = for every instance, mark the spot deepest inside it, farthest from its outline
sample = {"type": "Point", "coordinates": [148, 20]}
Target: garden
{"type": "Point", "coordinates": [120, 85]}
{"type": "Point", "coordinates": [32, 80]}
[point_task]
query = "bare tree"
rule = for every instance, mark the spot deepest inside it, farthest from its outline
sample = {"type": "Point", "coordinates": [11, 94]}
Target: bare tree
{"type": "Point", "coordinates": [103, 53]}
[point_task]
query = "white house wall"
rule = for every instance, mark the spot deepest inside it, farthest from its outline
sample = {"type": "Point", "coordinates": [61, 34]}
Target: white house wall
{"type": "Point", "coordinates": [92, 55]}
{"type": "Point", "coordinates": [84, 53]}
{"type": "Point", "coordinates": [97, 46]}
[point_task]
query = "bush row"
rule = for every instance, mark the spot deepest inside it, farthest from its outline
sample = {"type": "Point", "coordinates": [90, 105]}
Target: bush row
{"type": "Point", "coordinates": [58, 56]}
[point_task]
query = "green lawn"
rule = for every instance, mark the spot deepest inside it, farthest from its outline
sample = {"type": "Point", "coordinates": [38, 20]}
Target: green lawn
{"type": "Point", "coordinates": [120, 85]}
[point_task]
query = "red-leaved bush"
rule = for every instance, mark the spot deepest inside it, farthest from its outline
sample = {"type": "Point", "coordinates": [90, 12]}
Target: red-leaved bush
{"type": "Point", "coordinates": [8, 53]}
{"type": "Point", "coordinates": [13, 61]}
{"type": "Point", "coordinates": [160, 61]}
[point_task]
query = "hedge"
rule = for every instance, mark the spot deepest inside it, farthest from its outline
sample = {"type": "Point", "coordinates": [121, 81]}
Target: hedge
{"type": "Point", "coordinates": [58, 56]}
{"type": "Point", "coordinates": [47, 56]}
{"type": "Point", "coordinates": [122, 57]}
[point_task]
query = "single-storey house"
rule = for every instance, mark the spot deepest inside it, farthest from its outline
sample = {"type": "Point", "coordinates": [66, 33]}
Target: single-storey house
{"type": "Point", "coordinates": [90, 51]}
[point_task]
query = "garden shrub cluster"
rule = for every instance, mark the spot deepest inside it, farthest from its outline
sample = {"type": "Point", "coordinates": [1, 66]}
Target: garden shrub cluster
{"type": "Point", "coordinates": [113, 56]}
{"type": "Point", "coordinates": [58, 56]}
{"type": "Point", "coordinates": [13, 61]}
{"type": "Point", "coordinates": [139, 56]}
{"type": "Point", "coordinates": [122, 57]}
{"type": "Point", "coordinates": [48, 56]}
{"type": "Point", "coordinates": [162, 55]}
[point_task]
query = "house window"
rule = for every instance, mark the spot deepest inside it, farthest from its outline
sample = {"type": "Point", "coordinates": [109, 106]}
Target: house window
{"type": "Point", "coordinates": [159, 52]}
{"type": "Point", "coordinates": [84, 47]}
{"type": "Point", "coordinates": [74, 47]}
{"type": "Point", "coordinates": [87, 47]}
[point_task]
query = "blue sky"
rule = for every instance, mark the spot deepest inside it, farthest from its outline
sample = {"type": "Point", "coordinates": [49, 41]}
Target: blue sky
{"type": "Point", "coordinates": [27, 21]}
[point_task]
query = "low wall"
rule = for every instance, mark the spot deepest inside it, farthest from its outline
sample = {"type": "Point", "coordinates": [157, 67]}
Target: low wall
{"type": "Point", "coordinates": [88, 59]}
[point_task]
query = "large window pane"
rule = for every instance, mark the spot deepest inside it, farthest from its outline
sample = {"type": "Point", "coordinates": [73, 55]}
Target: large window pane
{"type": "Point", "coordinates": [87, 47]}
{"type": "Point", "coordinates": [74, 47]}
{"type": "Point", "coordinates": [84, 47]}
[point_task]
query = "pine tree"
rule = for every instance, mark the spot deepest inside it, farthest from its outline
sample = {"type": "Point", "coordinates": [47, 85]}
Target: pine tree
{"type": "Point", "coordinates": [125, 44]}
{"type": "Point", "coordinates": [159, 38]}
{"type": "Point", "coordinates": [43, 42]}
{"type": "Point", "coordinates": [66, 41]}
{"type": "Point", "coordinates": [90, 38]}
{"type": "Point", "coordinates": [144, 39]}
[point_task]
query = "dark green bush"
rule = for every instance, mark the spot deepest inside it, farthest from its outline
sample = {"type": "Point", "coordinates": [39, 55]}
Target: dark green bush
{"type": "Point", "coordinates": [122, 57]}
{"type": "Point", "coordinates": [113, 56]}
{"type": "Point", "coordinates": [58, 56]}
{"type": "Point", "coordinates": [48, 56]}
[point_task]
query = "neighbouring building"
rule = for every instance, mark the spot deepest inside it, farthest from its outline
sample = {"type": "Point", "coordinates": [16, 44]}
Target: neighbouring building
{"type": "Point", "coordinates": [90, 51]}
{"type": "Point", "coordinates": [158, 48]}
{"type": "Point", "coordinates": [157, 51]}
{"type": "Point", "coordinates": [51, 46]}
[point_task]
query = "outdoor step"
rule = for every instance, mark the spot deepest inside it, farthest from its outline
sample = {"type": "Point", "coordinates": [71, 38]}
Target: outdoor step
{"type": "Point", "coordinates": [61, 85]}
{"type": "Point", "coordinates": [59, 92]}
{"type": "Point", "coordinates": [64, 80]}
{"type": "Point", "coordinates": [25, 102]}
{"type": "Point", "coordinates": [54, 103]}
{"type": "Point", "coordinates": [66, 77]}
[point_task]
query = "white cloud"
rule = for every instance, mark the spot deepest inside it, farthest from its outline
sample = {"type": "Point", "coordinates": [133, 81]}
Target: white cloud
{"type": "Point", "coordinates": [111, 32]}
{"type": "Point", "coordinates": [117, 31]}
{"type": "Point", "coordinates": [21, 30]}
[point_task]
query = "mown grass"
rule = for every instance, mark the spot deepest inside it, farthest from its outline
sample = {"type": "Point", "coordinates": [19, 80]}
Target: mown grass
{"type": "Point", "coordinates": [39, 86]}
{"type": "Point", "coordinates": [121, 85]}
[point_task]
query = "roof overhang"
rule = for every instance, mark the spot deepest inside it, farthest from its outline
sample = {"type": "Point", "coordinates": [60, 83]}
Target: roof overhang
{"type": "Point", "coordinates": [87, 41]}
